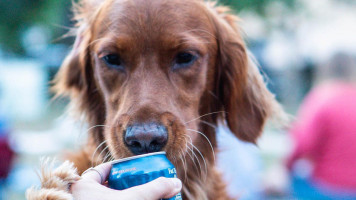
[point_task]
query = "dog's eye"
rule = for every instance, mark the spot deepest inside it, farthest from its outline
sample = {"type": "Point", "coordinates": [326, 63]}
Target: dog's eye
{"type": "Point", "coordinates": [184, 60]}
{"type": "Point", "coordinates": [113, 60]}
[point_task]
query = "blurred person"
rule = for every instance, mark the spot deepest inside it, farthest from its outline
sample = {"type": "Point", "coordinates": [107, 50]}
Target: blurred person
{"type": "Point", "coordinates": [325, 136]}
{"type": "Point", "coordinates": [6, 155]}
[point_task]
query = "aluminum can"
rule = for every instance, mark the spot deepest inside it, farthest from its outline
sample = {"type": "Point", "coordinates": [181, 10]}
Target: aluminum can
{"type": "Point", "coordinates": [141, 169]}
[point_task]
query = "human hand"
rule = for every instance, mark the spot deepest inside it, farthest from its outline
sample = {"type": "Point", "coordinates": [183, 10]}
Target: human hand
{"type": "Point", "coordinates": [89, 187]}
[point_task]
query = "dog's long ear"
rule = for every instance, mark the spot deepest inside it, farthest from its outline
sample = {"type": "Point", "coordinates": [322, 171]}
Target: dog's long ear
{"type": "Point", "coordinates": [75, 78]}
{"type": "Point", "coordinates": [71, 80]}
{"type": "Point", "coordinates": [240, 87]}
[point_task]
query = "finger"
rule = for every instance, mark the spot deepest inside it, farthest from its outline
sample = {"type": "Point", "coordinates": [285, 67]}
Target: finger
{"type": "Point", "coordinates": [99, 173]}
{"type": "Point", "coordinates": [156, 189]}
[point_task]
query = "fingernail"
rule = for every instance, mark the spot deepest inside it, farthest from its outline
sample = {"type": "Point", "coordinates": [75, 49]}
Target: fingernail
{"type": "Point", "coordinates": [177, 183]}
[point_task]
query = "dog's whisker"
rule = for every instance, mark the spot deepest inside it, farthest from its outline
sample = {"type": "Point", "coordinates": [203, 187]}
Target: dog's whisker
{"type": "Point", "coordinates": [90, 128]}
{"type": "Point", "coordinates": [181, 159]}
{"type": "Point", "coordinates": [191, 142]}
{"type": "Point", "coordinates": [204, 116]}
{"type": "Point", "coordinates": [196, 148]}
{"type": "Point", "coordinates": [184, 163]}
{"type": "Point", "coordinates": [196, 157]}
{"type": "Point", "coordinates": [108, 154]}
{"type": "Point", "coordinates": [97, 148]}
{"type": "Point", "coordinates": [111, 158]}
{"type": "Point", "coordinates": [190, 153]}
{"type": "Point", "coordinates": [211, 146]}
{"type": "Point", "coordinates": [209, 124]}
{"type": "Point", "coordinates": [192, 150]}
{"type": "Point", "coordinates": [99, 156]}
{"type": "Point", "coordinates": [206, 168]}
{"type": "Point", "coordinates": [95, 126]}
{"type": "Point", "coordinates": [185, 167]}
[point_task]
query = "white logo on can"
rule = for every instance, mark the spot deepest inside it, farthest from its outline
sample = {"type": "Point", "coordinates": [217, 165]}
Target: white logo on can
{"type": "Point", "coordinates": [172, 171]}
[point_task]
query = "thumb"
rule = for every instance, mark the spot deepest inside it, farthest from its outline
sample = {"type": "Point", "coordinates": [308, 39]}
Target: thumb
{"type": "Point", "coordinates": [99, 174]}
{"type": "Point", "coordinates": [160, 188]}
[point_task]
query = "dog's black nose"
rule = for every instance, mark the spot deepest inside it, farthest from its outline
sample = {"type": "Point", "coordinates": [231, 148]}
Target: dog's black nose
{"type": "Point", "coordinates": [146, 138]}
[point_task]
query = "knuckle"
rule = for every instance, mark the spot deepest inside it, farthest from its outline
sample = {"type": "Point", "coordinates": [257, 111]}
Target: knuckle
{"type": "Point", "coordinates": [164, 182]}
{"type": "Point", "coordinates": [82, 183]}
{"type": "Point", "coordinates": [138, 195]}
{"type": "Point", "coordinates": [76, 185]}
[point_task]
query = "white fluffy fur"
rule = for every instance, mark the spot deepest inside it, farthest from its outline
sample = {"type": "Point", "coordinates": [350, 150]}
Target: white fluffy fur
{"type": "Point", "coordinates": [55, 184]}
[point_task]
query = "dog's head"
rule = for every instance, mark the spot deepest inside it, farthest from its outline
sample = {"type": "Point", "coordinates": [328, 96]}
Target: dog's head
{"type": "Point", "coordinates": [157, 73]}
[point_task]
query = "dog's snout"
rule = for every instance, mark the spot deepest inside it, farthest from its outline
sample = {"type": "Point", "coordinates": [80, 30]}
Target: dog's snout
{"type": "Point", "coordinates": [146, 138]}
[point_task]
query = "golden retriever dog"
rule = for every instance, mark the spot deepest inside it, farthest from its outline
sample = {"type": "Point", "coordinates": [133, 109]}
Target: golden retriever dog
{"type": "Point", "coordinates": [159, 75]}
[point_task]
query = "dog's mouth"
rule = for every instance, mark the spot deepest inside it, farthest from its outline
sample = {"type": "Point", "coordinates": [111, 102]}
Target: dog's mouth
{"type": "Point", "coordinates": [180, 141]}
{"type": "Point", "coordinates": [132, 136]}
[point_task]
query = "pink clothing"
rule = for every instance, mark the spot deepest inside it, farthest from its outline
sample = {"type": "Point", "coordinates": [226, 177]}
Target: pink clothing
{"type": "Point", "coordinates": [325, 133]}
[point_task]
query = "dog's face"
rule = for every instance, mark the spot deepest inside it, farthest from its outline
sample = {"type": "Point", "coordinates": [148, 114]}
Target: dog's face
{"type": "Point", "coordinates": [148, 70]}
{"type": "Point", "coordinates": [152, 71]}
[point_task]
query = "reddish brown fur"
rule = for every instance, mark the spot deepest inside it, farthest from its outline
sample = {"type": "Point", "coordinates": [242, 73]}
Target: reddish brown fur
{"type": "Point", "coordinates": [148, 35]}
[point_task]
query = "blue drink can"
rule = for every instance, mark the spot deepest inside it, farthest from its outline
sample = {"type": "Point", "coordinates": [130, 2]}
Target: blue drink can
{"type": "Point", "coordinates": [141, 169]}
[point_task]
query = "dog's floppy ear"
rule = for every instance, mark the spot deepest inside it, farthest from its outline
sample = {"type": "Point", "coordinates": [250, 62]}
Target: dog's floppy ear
{"type": "Point", "coordinates": [75, 77]}
{"type": "Point", "coordinates": [240, 87]}
{"type": "Point", "coordinates": [72, 77]}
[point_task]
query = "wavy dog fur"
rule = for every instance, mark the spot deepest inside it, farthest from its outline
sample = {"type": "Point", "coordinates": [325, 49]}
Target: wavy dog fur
{"type": "Point", "coordinates": [221, 85]}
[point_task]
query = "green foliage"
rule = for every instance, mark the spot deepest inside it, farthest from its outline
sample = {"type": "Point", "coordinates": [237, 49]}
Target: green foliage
{"type": "Point", "coordinates": [257, 6]}
{"type": "Point", "coordinates": [17, 15]}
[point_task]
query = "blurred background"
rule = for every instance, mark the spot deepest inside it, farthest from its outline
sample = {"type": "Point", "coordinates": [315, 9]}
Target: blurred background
{"type": "Point", "coordinates": [293, 40]}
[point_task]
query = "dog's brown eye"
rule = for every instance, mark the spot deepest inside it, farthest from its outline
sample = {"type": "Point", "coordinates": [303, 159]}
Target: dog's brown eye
{"type": "Point", "coordinates": [184, 60]}
{"type": "Point", "coordinates": [113, 60]}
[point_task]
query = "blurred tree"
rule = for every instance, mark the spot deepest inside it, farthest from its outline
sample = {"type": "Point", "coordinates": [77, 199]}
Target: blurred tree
{"type": "Point", "coordinates": [257, 6]}
{"type": "Point", "coordinates": [18, 15]}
